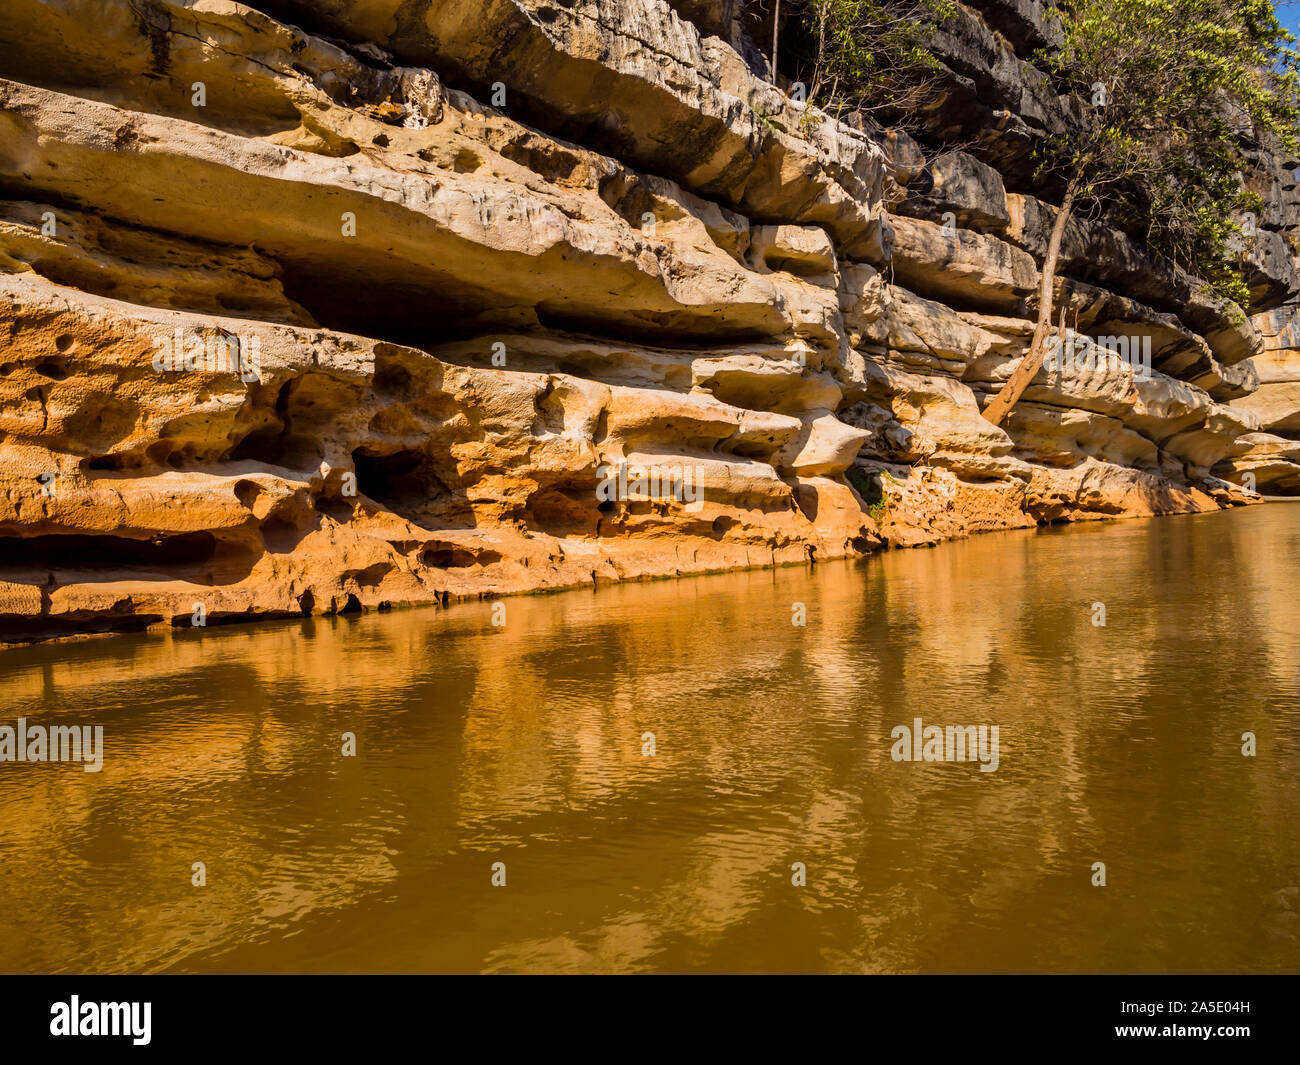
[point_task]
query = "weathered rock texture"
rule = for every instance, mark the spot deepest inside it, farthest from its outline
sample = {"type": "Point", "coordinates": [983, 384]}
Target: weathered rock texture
{"type": "Point", "coordinates": [325, 306]}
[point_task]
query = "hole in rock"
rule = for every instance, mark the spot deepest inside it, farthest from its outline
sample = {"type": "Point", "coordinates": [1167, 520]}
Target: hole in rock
{"type": "Point", "coordinates": [280, 440]}
{"type": "Point", "coordinates": [280, 536]}
{"type": "Point", "coordinates": [54, 369]}
{"type": "Point", "coordinates": [393, 379]}
{"type": "Point", "coordinates": [341, 510]}
{"type": "Point", "coordinates": [375, 293]}
{"type": "Point", "coordinates": [115, 463]}
{"type": "Point", "coordinates": [447, 557]}
{"type": "Point", "coordinates": [567, 508]}
{"type": "Point", "coordinates": [247, 492]}
{"type": "Point", "coordinates": [407, 483]}
{"type": "Point", "coordinates": [77, 552]}
{"type": "Point", "coordinates": [466, 162]}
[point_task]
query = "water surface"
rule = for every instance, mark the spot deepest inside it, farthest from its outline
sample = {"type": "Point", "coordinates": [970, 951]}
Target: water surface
{"type": "Point", "coordinates": [524, 745]}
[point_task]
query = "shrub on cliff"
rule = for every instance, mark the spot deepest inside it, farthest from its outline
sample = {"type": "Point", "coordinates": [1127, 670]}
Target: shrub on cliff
{"type": "Point", "coordinates": [872, 55]}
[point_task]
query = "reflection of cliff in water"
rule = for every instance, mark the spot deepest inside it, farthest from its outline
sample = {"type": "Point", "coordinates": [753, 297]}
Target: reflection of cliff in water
{"type": "Point", "coordinates": [523, 744]}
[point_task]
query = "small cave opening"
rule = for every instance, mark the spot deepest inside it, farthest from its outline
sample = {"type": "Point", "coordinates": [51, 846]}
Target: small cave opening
{"type": "Point", "coordinates": [377, 293]}
{"type": "Point", "coordinates": [448, 556]}
{"type": "Point", "coordinates": [393, 379]}
{"type": "Point", "coordinates": [280, 535]}
{"type": "Point", "coordinates": [287, 434]}
{"type": "Point", "coordinates": [115, 463]}
{"type": "Point", "coordinates": [78, 552]}
{"type": "Point", "coordinates": [336, 507]}
{"type": "Point", "coordinates": [276, 445]}
{"type": "Point", "coordinates": [247, 492]}
{"type": "Point", "coordinates": [566, 508]}
{"type": "Point", "coordinates": [407, 483]}
{"type": "Point", "coordinates": [56, 369]}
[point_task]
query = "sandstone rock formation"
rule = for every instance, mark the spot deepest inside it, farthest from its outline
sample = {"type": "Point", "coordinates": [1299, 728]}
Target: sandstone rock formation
{"type": "Point", "coordinates": [332, 306]}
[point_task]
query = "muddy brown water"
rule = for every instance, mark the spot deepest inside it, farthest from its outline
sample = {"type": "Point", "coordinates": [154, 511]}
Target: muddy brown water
{"type": "Point", "coordinates": [527, 745]}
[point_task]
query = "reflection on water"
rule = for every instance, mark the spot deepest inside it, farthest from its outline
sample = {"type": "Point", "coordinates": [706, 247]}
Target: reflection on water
{"type": "Point", "coordinates": [524, 745]}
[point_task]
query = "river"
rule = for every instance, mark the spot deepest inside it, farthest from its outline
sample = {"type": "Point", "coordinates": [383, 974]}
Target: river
{"type": "Point", "coordinates": [648, 763]}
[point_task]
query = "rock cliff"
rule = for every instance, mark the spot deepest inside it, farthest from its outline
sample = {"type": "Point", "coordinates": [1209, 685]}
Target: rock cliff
{"type": "Point", "coordinates": [315, 307]}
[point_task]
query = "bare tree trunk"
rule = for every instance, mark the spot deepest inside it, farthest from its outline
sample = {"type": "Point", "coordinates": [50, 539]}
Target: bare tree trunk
{"type": "Point", "coordinates": [819, 61]}
{"type": "Point", "coordinates": [776, 29]}
{"type": "Point", "coordinates": [1009, 393]}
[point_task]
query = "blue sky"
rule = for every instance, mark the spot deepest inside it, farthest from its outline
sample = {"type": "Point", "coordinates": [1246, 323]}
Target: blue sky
{"type": "Point", "coordinates": [1288, 13]}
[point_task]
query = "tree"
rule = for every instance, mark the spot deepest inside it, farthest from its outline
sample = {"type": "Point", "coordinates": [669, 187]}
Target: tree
{"type": "Point", "coordinates": [776, 37]}
{"type": "Point", "coordinates": [1174, 91]}
{"type": "Point", "coordinates": [871, 56]}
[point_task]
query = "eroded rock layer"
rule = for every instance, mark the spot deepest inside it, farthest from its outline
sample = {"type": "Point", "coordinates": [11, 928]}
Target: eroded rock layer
{"type": "Point", "coordinates": [330, 306]}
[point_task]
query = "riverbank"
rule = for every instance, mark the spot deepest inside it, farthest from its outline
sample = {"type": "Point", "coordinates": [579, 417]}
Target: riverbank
{"type": "Point", "coordinates": [912, 514]}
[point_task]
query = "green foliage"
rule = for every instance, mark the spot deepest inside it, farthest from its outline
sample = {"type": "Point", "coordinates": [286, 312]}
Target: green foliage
{"type": "Point", "coordinates": [872, 55]}
{"type": "Point", "coordinates": [871, 489]}
{"type": "Point", "coordinates": [768, 121]}
{"type": "Point", "coordinates": [1189, 86]}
